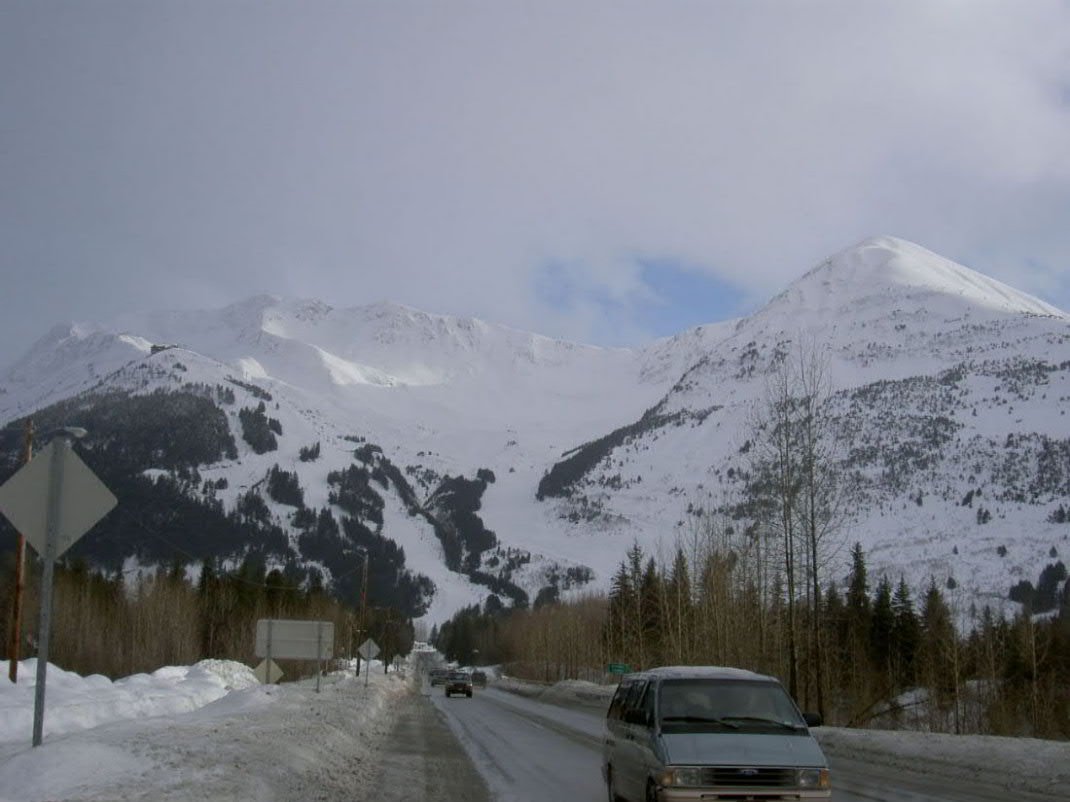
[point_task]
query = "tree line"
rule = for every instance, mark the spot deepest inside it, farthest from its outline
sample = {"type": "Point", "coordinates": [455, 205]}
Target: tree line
{"type": "Point", "coordinates": [117, 625]}
{"type": "Point", "coordinates": [890, 660]}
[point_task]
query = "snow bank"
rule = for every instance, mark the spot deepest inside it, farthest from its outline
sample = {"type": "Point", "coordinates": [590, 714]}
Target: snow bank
{"type": "Point", "coordinates": [1026, 764]}
{"type": "Point", "coordinates": [252, 742]}
{"type": "Point", "coordinates": [575, 690]}
{"type": "Point", "coordinates": [566, 692]}
{"type": "Point", "coordinates": [73, 702]}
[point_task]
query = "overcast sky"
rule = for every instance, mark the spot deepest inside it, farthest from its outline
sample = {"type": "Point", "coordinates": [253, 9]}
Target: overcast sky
{"type": "Point", "coordinates": [606, 172]}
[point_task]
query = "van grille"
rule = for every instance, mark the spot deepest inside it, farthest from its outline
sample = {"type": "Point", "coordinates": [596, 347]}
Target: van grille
{"type": "Point", "coordinates": [750, 776]}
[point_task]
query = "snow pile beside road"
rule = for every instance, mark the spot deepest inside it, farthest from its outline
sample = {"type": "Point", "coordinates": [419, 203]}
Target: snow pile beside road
{"type": "Point", "coordinates": [1024, 764]}
{"type": "Point", "coordinates": [575, 690]}
{"type": "Point", "coordinates": [73, 702]}
{"type": "Point", "coordinates": [260, 743]}
{"type": "Point", "coordinates": [566, 692]}
{"type": "Point", "coordinates": [236, 676]}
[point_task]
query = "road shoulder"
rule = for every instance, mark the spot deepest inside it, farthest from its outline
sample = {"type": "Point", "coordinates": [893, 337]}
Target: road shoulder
{"type": "Point", "coordinates": [422, 759]}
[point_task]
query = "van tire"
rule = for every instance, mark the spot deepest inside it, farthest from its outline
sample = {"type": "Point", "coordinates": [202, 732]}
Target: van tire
{"type": "Point", "coordinates": [651, 792]}
{"type": "Point", "coordinates": [611, 793]}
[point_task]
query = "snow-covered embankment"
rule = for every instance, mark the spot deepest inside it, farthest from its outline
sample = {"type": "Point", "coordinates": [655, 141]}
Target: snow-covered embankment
{"type": "Point", "coordinates": [208, 731]}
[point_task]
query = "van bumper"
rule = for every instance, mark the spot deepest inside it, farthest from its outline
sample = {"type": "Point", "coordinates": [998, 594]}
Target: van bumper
{"type": "Point", "coordinates": [756, 794]}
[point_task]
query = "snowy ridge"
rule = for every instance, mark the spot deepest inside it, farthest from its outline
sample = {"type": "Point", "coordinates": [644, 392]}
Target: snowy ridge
{"type": "Point", "coordinates": [925, 356]}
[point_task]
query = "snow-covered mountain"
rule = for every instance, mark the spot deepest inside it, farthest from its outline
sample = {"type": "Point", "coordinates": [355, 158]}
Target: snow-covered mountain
{"type": "Point", "coordinates": [949, 403]}
{"type": "Point", "coordinates": [950, 393]}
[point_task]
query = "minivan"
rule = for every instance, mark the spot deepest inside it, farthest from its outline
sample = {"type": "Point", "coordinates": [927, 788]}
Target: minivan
{"type": "Point", "coordinates": [690, 733]}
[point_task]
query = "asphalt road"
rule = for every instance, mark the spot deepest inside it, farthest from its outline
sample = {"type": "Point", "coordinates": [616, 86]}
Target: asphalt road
{"type": "Point", "coordinates": [526, 750]}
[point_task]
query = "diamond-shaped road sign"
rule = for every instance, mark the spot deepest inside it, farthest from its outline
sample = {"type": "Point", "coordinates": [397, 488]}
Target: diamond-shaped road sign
{"type": "Point", "coordinates": [85, 499]}
{"type": "Point", "coordinates": [369, 649]}
{"type": "Point", "coordinates": [268, 672]}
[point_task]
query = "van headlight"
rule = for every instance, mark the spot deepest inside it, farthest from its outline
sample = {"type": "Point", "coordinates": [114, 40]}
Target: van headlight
{"type": "Point", "coordinates": [680, 777]}
{"type": "Point", "coordinates": [814, 778]}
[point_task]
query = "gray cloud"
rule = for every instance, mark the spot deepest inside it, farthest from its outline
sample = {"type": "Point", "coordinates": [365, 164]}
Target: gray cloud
{"type": "Point", "coordinates": [444, 154]}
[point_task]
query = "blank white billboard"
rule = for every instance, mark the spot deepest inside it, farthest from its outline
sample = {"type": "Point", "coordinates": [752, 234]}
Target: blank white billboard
{"type": "Point", "coordinates": [295, 640]}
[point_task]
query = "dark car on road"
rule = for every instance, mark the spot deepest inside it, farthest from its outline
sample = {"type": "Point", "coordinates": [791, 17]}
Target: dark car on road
{"type": "Point", "coordinates": [438, 676]}
{"type": "Point", "coordinates": [459, 682]}
{"type": "Point", "coordinates": [479, 679]}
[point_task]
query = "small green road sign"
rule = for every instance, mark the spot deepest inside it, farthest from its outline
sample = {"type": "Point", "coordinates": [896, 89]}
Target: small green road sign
{"type": "Point", "coordinates": [619, 668]}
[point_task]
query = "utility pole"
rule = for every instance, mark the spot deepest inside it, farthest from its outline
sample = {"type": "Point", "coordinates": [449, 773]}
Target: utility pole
{"type": "Point", "coordinates": [20, 573]}
{"type": "Point", "coordinates": [364, 605]}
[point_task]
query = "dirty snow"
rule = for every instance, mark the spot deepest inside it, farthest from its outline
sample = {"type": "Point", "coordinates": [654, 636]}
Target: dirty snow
{"type": "Point", "coordinates": [208, 731]}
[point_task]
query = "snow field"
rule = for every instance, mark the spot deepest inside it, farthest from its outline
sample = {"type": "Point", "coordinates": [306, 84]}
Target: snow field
{"type": "Point", "coordinates": [149, 738]}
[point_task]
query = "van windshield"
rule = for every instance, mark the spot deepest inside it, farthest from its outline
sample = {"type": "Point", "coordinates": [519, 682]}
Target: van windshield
{"type": "Point", "coordinates": [700, 704]}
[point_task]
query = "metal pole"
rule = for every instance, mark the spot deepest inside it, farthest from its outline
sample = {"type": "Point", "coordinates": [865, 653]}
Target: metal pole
{"type": "Point", "coordinates": [269, 622]}
{"type": "Point", "coordinates": [20, 574]}
{"type": "Point", "coordinates": [357, 652]}
{"type": "Point", "coordinates": [55, 493]}
{"type": "Point", "coordinates": [319, 653]}
{"type": "Point", "coordinates": [363, 609]}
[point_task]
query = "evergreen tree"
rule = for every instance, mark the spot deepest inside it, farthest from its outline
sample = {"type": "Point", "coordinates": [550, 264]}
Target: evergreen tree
{"type": "Point", "coordinates": [857, 610]}
{"type": "Point", "coordinates": [679, 612]}
{"type": "Point", "coordinates": [258, 430]}
{"type": "Point", "coordinates": [938, 650]}
{"type": "Point", "coordinates": [858, 584]}
{"type": "Point", "coordinates": [1047, 593]}
{"type": "Point", "coordinates": [650, 592]}
{"type": "Point", "coordinates": [283, 487]}
{"type": "Point", "coordinates": [634, 621]}
{"type": "Point", "coordinates": [882, 623]}
{"type": "Point", "coordinates": [905, 635]}
{"type": "Point", "coordinates": [621, 609]}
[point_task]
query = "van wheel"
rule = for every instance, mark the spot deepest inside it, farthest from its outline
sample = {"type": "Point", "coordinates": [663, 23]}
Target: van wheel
{"type": "Point", "coordinates": [651, 792]}
{"type": "Point", "coordinates": [611, 791]}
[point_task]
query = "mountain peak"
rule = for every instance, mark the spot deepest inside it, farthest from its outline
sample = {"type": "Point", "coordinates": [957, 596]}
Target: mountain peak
{"type": "Point", "coordinates": [885, 269]}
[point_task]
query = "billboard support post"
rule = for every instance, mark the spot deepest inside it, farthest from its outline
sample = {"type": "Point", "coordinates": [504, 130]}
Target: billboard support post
{"type": "Point", "coordinates": [268, 655]}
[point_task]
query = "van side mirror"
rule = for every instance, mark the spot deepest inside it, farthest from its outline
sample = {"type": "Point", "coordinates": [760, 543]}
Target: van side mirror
{"type": "Point", "coordinates": [812, 719]}
{"type": "Point", "coordinates": [637, 717]}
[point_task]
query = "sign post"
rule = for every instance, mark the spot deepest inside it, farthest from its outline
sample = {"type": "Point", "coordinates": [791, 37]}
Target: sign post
{"type": "Point", "coordinates": [53, 500]}
{"type": "Point", "coordinates": [368, 650]}
{"type": "Point", "coordinates": [20, 577]}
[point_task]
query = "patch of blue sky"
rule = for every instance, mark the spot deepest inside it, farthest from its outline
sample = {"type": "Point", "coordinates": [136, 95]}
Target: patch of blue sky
{"type": "Point", "coordinates": [671, 297]}
{"type": "Point", "coordinates": [686, 296]}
